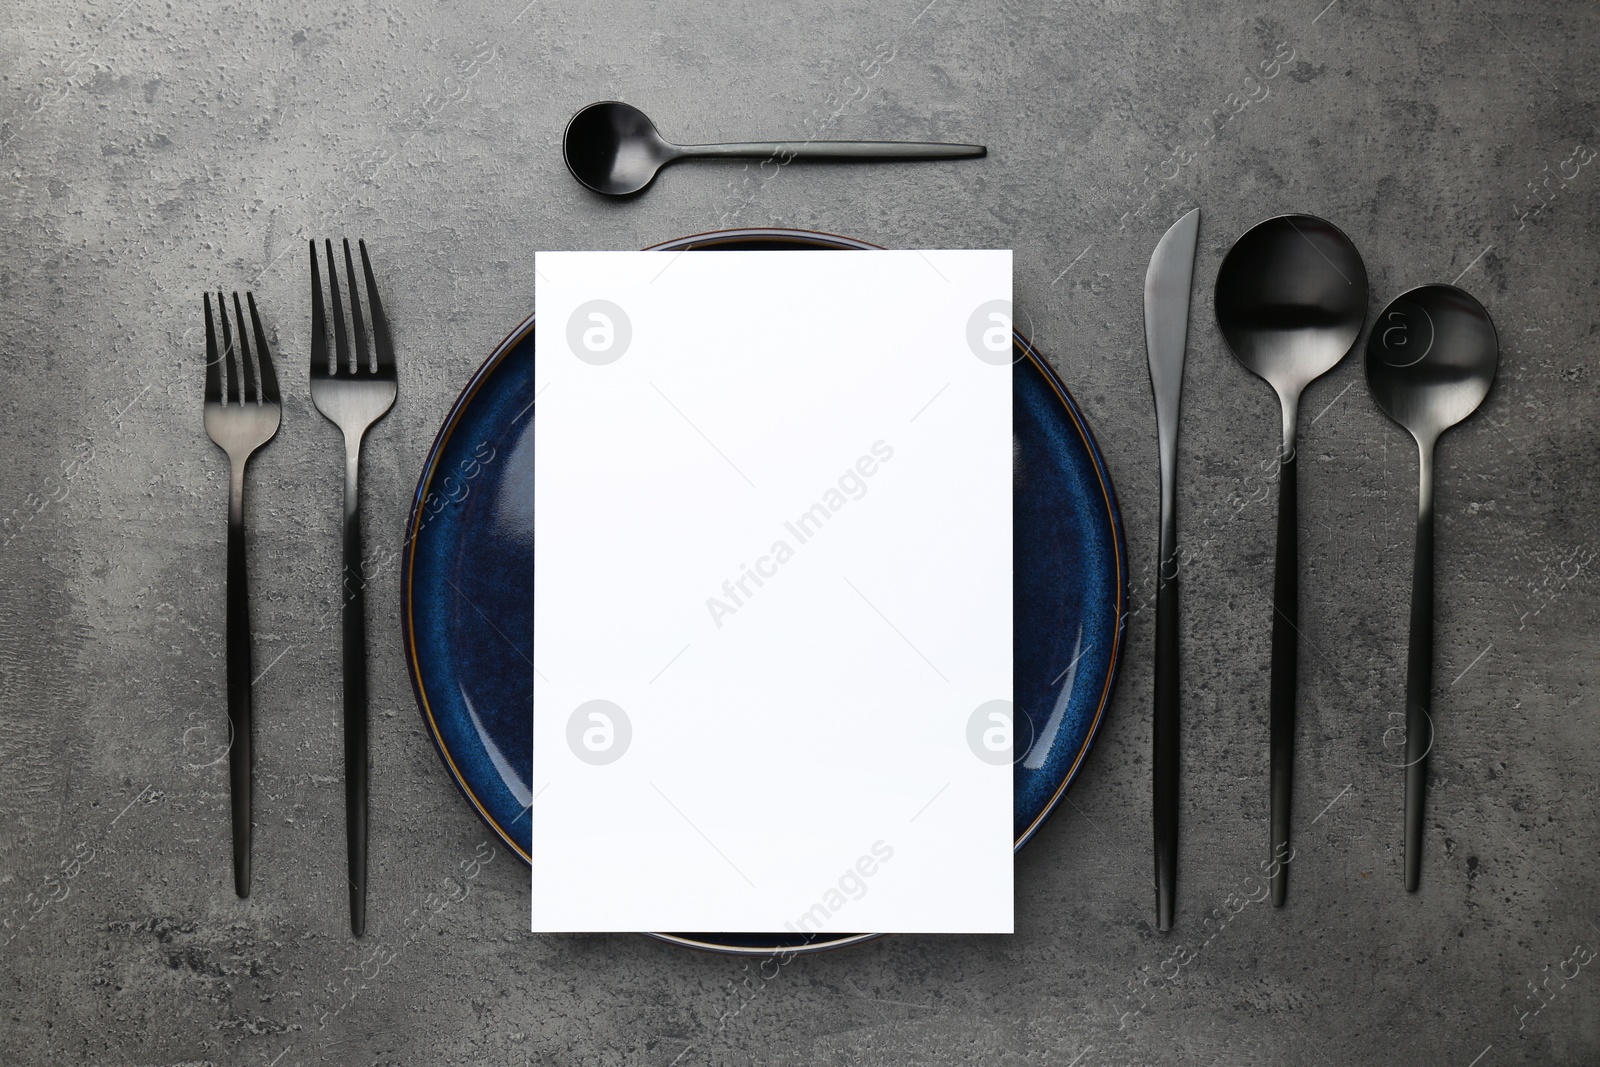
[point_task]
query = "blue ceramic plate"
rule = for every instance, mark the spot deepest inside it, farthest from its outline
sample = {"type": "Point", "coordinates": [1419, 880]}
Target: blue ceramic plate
{"type": "Point", "coordinates": [467, 589]}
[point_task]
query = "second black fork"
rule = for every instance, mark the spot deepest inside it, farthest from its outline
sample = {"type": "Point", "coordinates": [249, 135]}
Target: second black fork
{"type": "Point", "coordinates": [354, 389]}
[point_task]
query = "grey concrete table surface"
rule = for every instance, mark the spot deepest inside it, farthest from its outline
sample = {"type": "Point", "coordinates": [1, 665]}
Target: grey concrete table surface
{"type": "Point", "coordinates": [150, 151]}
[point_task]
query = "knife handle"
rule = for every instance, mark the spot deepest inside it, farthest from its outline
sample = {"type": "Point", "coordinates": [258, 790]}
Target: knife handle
{"type": "Point", "coordinates": [1164, 721]}
{"type": "Point", "coordinates": [1164, 749]}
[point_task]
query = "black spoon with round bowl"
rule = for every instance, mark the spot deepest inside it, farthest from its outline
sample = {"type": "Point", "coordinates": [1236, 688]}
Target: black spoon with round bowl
{"type": "Point", "coordinates": [614, 149]}
{"type": "Point", "coordinates": [1291, 299]}
{"type": "Point", "coordinates": [1431, 359]}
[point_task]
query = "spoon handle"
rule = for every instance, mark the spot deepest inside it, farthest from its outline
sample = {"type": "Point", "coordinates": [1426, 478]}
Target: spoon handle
{"type": "Point", "coordinates": [1285, 657]}
{"type": "Point", "coordinates": [783, 152]}
{"type": "Point", "coordinates": [1419, 672]}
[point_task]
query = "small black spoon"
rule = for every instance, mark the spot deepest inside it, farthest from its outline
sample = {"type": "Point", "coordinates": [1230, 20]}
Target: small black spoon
{"type": "Point", "coordinates": [614, 149]}
{"type": "Point", "coordinates": [1430, 361]}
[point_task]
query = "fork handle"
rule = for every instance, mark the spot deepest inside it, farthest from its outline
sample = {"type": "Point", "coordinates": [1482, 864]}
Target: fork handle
{"type": "Point", "coordinates": [356, 763]}
{"type": "Point", "coordinates": [239, 716]}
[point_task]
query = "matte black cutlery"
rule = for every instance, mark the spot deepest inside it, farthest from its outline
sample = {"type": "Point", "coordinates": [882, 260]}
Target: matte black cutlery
{"type": "Point", "coordinates": [614, 149]}
{"type": "Point", "coordinates": [1166, 333]}
{"type": "Point", "coordinates": [353, 390]}
{"type": "Point", "coordinates": [1430, 361]}
{"type": "Point", "coordinates": [1291, 298]}
{"type": "Point", "coordinates": [242, 413]}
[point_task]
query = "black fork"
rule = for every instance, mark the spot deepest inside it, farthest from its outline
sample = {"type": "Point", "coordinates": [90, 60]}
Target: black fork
{"type": "Point", "coordinates": [353, 390]}
{"type": "Point", "coordinates": [240, 417]}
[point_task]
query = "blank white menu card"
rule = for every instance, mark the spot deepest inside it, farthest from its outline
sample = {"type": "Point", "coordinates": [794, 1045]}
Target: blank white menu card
{"type": "Point", "coordinates": [772, 592]}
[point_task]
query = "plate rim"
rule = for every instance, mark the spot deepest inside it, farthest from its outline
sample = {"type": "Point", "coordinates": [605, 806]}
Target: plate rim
{"type": "Point", "coordinates": [520, 333]}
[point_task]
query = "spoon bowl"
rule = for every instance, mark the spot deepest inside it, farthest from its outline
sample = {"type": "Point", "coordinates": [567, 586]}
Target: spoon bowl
{"type": "Point", "coordinates": [614, 148]}
{"type": "Point", "coordinates": [1431, 359]}
{"type": "Point", "coordinates": [1291, 299]}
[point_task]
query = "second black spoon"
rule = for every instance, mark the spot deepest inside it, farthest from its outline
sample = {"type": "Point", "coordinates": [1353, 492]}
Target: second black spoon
{"type": "Point", "coordinates": [1430, 361]}
{"type": "Point", "coordinates": [614, 149]}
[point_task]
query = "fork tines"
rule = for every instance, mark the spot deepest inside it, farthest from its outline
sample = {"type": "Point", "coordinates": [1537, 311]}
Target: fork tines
{"type": "Point", "coordinates": [249, 381]}
{"type": "Point", "coordinates": [365, 360]}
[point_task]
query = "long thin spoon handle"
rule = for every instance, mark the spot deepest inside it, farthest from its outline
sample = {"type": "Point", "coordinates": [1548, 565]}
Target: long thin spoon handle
{"type": "Point", "coordinates": [1419, 672]}
{"type": "Point", "coordinates": [1285, 656]}
{"type": "Point", "coordinates": [1164, 751]}
{"type": "Point", "coordinates": [355, 690]}
{"type": "Point", "coordinates": [787, 150]}
{"type": "Point", "coordinates": [239, 714]}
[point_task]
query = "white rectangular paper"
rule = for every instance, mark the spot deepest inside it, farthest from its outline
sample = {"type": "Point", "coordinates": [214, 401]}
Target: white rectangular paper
{"type": "Point", "coordinates": [773, 528]}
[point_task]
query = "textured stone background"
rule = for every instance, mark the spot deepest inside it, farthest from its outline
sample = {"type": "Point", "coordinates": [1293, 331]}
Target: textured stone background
{"type": "Point", "coordinates": [151, 151]}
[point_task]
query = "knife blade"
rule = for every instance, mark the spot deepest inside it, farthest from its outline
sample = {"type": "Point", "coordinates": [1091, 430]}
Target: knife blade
{"type": "Point", "coordinates": [1166, 333]}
